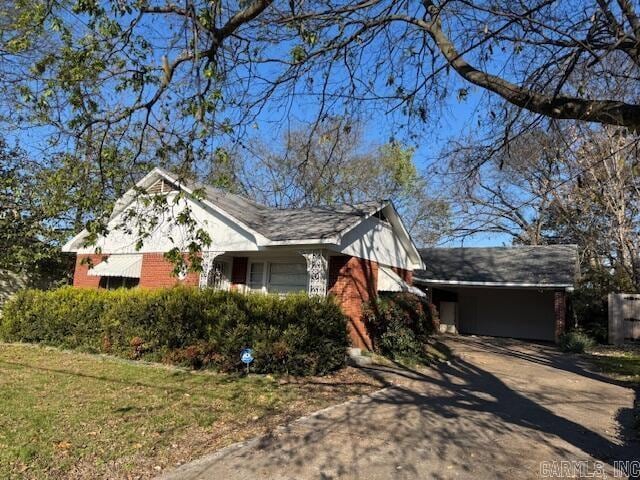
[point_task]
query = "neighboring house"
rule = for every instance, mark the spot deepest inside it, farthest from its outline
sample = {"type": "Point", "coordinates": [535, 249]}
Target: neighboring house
{"type": "Point", "coordinates": [349, 251]}
{"type": "Point", "coordinates": [515, 292]}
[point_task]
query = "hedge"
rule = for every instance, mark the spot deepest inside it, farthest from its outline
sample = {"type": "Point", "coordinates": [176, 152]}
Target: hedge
{"type": "Point", "coordinates": [400, 323]}
{"type": "Point", "coordinates": [295, 334]}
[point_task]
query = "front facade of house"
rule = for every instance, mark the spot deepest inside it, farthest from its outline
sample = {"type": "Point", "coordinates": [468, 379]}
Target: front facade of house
{"type": "Point", "coordinates": [351, 252]}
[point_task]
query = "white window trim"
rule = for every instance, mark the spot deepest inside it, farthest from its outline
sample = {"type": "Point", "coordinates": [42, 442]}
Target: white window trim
{"type": "Point", "coordinates": [268, 282]}
{"type": "Point", "coordinates": [266, 270]}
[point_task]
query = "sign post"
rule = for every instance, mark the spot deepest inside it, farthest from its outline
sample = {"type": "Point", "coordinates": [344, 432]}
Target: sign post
{"type": "Point", "coordinates": [246, 357]}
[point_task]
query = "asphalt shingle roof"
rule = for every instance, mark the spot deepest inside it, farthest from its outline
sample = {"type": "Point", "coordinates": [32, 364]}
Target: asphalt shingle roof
{"type": "Point", "coordinates": [548, 264]}
{"type": "Point", "coordinates": [293, 223]}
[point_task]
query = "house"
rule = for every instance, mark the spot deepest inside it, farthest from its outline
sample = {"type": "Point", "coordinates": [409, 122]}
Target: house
{"type": "Point", "coordinates": [350, 251]}
{"type": "Point", "coordinates": [518, 292]}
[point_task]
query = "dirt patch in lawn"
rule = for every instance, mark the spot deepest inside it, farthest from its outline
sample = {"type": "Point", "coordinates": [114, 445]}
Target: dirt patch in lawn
{"type": "Point", "coordinates": [72, 415]}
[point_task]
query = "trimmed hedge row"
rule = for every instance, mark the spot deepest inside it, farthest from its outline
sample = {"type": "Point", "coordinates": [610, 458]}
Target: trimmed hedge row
{"type": "Point", "coordinates": [400, 323]}
{"type": "Point", "coordinates": [295, 334]}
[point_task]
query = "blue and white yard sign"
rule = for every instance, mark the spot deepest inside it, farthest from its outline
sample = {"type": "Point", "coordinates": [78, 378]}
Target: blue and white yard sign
{"type": "Point", "coordinates": [246, 356]}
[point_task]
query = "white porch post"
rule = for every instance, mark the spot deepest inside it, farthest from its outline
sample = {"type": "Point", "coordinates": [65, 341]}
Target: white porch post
{"type": "Point", "coordinates": [207, 264]}
{"type": "Point", "coordinates": [317, 268]}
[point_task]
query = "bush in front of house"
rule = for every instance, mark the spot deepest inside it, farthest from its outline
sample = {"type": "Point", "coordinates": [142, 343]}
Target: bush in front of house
{"type": "Point", "coordinates": [399, 324]}
{"type": "Point", "coordinates": [295, 334]}
{"type": "Point", "coordinates": [576, 341]}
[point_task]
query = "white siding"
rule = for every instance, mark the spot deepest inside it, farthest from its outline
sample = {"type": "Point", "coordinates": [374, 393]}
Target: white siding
{"type": "Point", "coordinates": [225, 235]}
{"type": "Point", "coordinates": [375, 240]}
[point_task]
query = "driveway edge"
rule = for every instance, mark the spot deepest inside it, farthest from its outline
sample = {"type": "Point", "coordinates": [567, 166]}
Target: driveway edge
{"type": "Point", "coordinates": [184, 469]}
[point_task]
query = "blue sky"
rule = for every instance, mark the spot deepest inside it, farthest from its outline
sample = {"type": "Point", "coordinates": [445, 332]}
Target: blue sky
{"type": "Point", "coordinates": [452, 121]}
{"type": "Point", "coordinates": [456, 119]}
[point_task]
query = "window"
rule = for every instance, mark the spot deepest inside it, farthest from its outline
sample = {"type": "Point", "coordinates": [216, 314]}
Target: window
{"type": "Point", "coordinates": [111, 283]}
{"type": "Point", "coordinates": [256, 273]}
{"type": "Point", "coordinates": [287, 277]}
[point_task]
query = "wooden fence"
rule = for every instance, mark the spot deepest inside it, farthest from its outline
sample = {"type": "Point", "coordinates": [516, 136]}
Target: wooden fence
{"type": "Point", "coordinates": [624, 318]}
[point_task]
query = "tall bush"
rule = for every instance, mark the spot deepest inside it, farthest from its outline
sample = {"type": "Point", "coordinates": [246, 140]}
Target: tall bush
{"type": "Point", "coordinates": [399, 324]}
{"type": "Point", "coordinates": [201, 328]}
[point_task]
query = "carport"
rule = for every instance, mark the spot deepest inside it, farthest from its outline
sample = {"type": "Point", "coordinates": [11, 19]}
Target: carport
{"type": "Point", "coordinates": [518, 292]}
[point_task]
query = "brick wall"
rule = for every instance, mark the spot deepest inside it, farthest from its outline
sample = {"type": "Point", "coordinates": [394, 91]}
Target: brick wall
{"type": "Point", "coordinates": [80, 277]}
{"type": "Point", "coordinates": [354, 281]}
{"type": "Point", "coordinates": [560, 311]}
{"type": "Point", "coordinates": [157, 272]}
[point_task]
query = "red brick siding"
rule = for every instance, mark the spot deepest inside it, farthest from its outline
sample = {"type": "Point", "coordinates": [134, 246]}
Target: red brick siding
{"type": "Point", "coordinates": [239, 271]}
{"type": "Point", "coordinates": [157, 272]}
{"type": "Point", "coordinates": [80, 277]}
{"type": "Point", "coordinates": [560, 310]}
{"type": "Point", "coordinates": [354, 281]}
{"type": "Point", "coordinates": [406, 275]}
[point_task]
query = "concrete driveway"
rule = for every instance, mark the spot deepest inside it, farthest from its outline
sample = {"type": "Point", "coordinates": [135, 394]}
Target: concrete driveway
{"type": "Point", "coordinates": [498, 410]}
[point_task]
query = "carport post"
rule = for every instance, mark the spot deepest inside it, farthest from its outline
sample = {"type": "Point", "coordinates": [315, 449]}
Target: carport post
{"type": "Point", "coordinates": [560, 311]}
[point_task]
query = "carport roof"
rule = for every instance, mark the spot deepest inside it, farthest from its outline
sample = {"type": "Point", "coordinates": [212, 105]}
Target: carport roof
{"type": "Point", "coordinates": [550, 266]}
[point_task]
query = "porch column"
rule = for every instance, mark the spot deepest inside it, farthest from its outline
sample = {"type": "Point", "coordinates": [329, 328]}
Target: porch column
{"type": "Point", "coordinates": [207, 265]}
{"type": "Point", "coordinates": [317, 267]}
{"type": "Point", "coordinates": [560, 311]}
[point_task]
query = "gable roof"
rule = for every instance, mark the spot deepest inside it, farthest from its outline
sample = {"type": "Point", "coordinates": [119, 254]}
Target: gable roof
{"type": "Point", "coordinates": [527, 266]}
{"type": "Point", "coordinates": [291, 223]}
{"type": "Point", "coordinates": [272, 226]}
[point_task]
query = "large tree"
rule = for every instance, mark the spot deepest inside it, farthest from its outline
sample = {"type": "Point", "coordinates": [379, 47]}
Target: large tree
{"type": "Point", "coordinates": [574, 185]}
{"type": "Point", "coordinates": [179, 72]}
{"type": "Point", "coordinates": [334, 166]}
{"type": "Point", "coordinates": [169, 81]}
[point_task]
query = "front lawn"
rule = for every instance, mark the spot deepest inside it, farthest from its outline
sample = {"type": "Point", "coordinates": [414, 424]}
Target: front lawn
{"type": "Point", "coordinates": [72, 415]}
{"type": "Point", "coordinates": [623, 364]}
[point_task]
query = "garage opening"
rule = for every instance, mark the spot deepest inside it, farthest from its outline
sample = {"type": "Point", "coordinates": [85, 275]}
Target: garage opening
{"type": "Point", "coordinates": [499, 312]}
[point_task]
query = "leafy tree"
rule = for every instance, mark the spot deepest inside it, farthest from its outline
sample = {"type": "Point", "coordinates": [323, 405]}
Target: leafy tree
{"type": "Point", "coordinates": [183, 73]}
{"type": "Point", "coordinates": [29, 235]}
{"type": "Point", "coordinates": [171, 82]}
{"type": "Point", "coordinates": [21, 220]}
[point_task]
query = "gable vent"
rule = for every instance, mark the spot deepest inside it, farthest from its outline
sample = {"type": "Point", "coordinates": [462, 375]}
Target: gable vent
{"type": "Point", "coordinates": [162, 186]}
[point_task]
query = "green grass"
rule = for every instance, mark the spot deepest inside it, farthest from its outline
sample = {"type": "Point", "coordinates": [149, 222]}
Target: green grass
{"type": "Point", "coordinates": [622, 364]}
{"type": "Point", "coordinates": [619, 363]}
{"type": "Point", "coordinates": [71, 415]}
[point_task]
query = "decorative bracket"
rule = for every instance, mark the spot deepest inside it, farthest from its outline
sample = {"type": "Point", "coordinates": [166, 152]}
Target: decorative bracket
{"type": "Point", "coordinates": [317, 268]}
{"type": "Point", "coordinates": [207, 264]}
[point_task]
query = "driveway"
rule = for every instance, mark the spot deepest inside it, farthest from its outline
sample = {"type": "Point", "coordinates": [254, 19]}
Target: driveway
{"type": "Point", "coordinates": [498, 410]}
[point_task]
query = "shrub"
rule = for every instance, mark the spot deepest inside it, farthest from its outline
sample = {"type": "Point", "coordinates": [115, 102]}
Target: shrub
{"type": "Point", "coordinates": [576, 341]}
{"type": "Point", "coordinates": [296, 334]}
{"type": "Point", "coordinates": [399, 324]}
{"type": "Point", "coordinates": [589, 301]}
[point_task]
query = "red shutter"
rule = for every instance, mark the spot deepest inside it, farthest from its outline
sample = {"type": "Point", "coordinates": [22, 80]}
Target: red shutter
{"type": "Point", "coordinates": [239, 270]}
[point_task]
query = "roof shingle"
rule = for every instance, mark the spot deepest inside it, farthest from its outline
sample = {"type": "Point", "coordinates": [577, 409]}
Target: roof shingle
{"type": "Point", "coordinates": [292, 223]}
{"type": "Point", "coordinates": [540, 265]}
